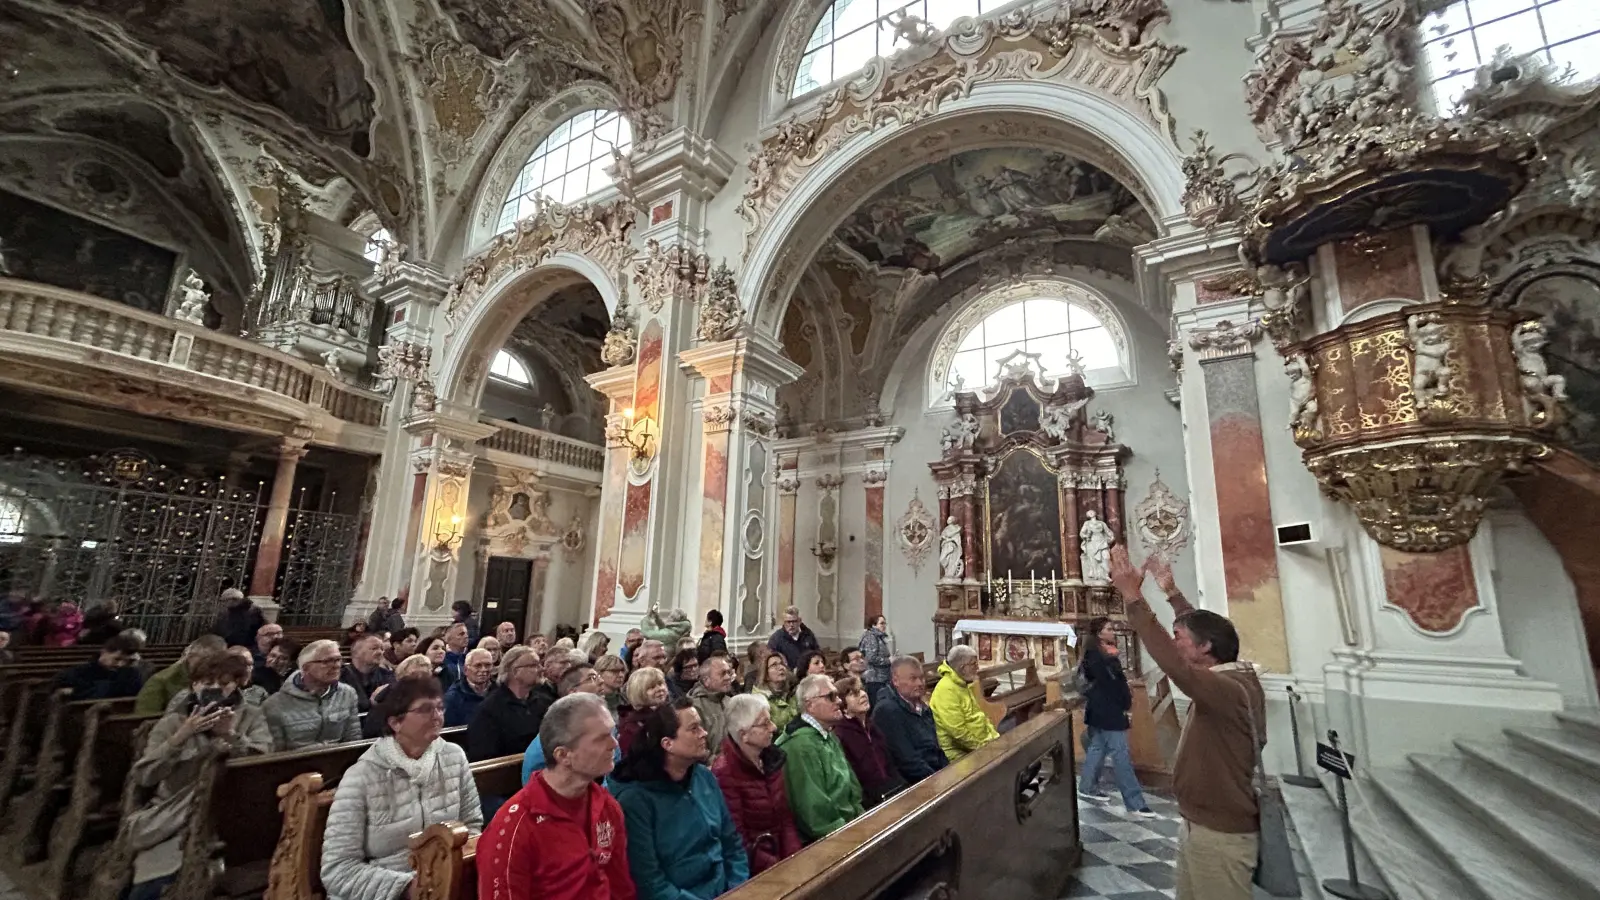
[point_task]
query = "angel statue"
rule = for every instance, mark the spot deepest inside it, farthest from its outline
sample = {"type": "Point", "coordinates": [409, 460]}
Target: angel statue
{"type": "Point", "coordinates": [1540, 389]}
{"type": "Point", "coordinates": [950, 563]}
{"type": "Point", "coordinates": [192, 308]}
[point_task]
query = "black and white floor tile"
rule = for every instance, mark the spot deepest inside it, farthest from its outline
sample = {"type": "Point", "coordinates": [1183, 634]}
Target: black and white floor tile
{"type": "Point", "coordinates": [1126, 857]}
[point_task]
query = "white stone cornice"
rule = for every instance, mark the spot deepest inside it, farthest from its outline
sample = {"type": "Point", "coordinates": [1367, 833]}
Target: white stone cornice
{"type": "Point", "coordinates": [682, 161]}
{"type": "Point", "coordinates": [616, 382]}
{"type": "Point", "coordinates": [861, 439]}
{"type": "Point", "coordinates": [406, 281]}
{"type": "Point", "coordinates": [756, 358]}
{"type": "Point", "coordinates": [1190, 252]}
{"type": "Point", "coordinates": [450, 427]}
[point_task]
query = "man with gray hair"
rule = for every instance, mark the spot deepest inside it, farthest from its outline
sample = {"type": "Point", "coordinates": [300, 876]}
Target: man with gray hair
{"type": "Point", "coordinates": [961, 723]}
{"type": "Point", "coordinates": [563, 835]}
{"type": "Point", "coordinates": [239, 619]}
{"type": "Point", "coordinates": [907, 723]}
{"type": "Point", "coordinates": [793, 640]}
{"type": "Point", "coordinates": [556, 663]}
{"type": "Point", "coordinates": [823, 790]}
{"type": "Point", "coordinates": [464, 697]}
{"type": "Point", "coordinates": [580, 679]}
{"type": "Point", "coordinates": [715, 687]}
{"type": "Point", "coordinates": [313, 706]}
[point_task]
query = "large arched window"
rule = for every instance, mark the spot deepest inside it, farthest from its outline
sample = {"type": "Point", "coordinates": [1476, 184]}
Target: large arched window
{"type": "Point", "coordinates": [1067, 325]}
{"type": "Point", "coordinates": [570, 164]}
{"type": "Point", "coordinates": [852, 32]}
{"type": "Point", "coordinates": [12, 521]}
{"type": "Point", "coordinates": [508, 368]}
{"type": "Point", "coordinates": [1464, 35]}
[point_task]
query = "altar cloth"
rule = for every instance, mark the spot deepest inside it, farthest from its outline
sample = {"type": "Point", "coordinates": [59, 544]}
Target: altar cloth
{"type": "Point", "coordinates": [1015, 626]}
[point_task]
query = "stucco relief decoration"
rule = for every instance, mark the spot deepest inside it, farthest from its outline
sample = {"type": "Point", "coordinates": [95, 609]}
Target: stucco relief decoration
{"type": "Point", "coordinates": [573, 539]}
{"type": "Point", "coordinates": [1225, 339]}
{"type": "Point", "coordinates": [598, 231]}
{"type": "Point", "coordinates": [462, 87]}
{"type": "Point", "coordinates": [635, 46]}
{"type": "Point", "coordinates": [665, 273]}
{"type": "Point", "coordinates": [1104, 45]}
{"type": "Point", "coordinates": [1542, 392]}
{"type": "Point", "coordinates": [622, 339]}
{"type": "Point", "coordinates": [1210, 193]}
{"type": "Point", "coordinates": [519, 515]}
{"type": "Point", "coordinates": [1431, 369]}
{"type": "Point", "coordinates": [1161, 521]}
{"type": "Point", "coordinates": [721, 313]}
{"type": "Point", "coordinates": [402, 359]}
{"type": "Point", "coordinates": [915, 532]}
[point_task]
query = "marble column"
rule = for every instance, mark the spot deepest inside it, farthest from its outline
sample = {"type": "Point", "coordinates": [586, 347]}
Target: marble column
{"type": "Point", "coordinates": [269, 551]}
{"type": "Point", "coordinates": [874, 480]}
{"type": "Point", "coordinates": [739, 379]}
{"type": "Point", "coordinates": [617, 385]}
{"type": "Point", "coordinates": [1071, 522]}
{"type": "Point", "coordinates": [788, 489]}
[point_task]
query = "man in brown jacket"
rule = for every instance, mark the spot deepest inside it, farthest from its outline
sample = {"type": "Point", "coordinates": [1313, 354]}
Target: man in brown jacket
{"type": "Point", "coordinates": [1212, 774]}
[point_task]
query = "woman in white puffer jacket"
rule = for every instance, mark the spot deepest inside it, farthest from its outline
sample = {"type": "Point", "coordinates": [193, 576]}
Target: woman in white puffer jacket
{"type": "Point", "coordinates": [408, 780]}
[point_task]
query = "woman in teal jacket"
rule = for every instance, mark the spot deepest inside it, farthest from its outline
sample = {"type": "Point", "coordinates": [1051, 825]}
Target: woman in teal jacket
{"type": "Point", "coordinates": [682, 843]}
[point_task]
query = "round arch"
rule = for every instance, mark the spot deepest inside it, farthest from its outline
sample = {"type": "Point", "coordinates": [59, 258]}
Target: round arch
{"type": "Point", "coordinates": [534, 126]}
{"type": "Point", "coordinates": [1049, 115]}
{"type": "Point", "coordinates": [502, 305]}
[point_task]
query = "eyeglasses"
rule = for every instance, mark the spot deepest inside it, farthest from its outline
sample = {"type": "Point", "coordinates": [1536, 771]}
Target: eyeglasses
{"type": "Point", "coordinates": [427, 709]}
{"type": "Point", "coordinates": [831, 696]}
{"type": "Point", "coordinates": [322, 662]}
{"type": "Point", "coordinates": [592, 676]}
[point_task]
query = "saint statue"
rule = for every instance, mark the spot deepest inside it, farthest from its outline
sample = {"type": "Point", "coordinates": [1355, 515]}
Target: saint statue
{"type": "Point", "coordinates": [1095, 540]}
{"type": "Point", "coordinates": [950, 564]}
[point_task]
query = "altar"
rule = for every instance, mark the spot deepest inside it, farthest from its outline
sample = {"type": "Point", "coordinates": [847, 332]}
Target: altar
{"type": "Point", "coordinates": [1050, 644]}
{"type": "Point", "coordinates": [1030, 488]}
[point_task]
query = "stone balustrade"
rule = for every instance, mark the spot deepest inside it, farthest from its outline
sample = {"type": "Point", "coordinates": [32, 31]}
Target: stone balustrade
{"type": "Point", "coordinates": [535, 444]}
{"type": "Point", "coordinates": [54, 314]}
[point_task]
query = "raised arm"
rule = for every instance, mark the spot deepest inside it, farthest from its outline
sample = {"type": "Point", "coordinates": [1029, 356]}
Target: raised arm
{"type": "Point", "coordinates": [1203, 686]}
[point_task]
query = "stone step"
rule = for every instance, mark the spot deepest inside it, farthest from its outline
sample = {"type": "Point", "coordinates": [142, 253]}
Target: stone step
{"type": "Point", "coordinates": [1583, 722]}
{"type": "Point", "coordinates": [1410, 868]}
{"type": "Point", "coordinates": [1541, 781]}
{"type": "Point", "coordinates": [1560, 746]}
{"type": "Point", "coordinates": [1496, 869]}
{"type": "Point", "coordinates": [1555, 841]}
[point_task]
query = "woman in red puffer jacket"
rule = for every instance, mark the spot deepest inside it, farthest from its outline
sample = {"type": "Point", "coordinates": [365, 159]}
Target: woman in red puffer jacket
{"type": "Point", "coordinates": [750, 771]}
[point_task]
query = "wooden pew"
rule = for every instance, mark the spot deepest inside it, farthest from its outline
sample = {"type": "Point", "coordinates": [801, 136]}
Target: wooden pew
{"type": "Point", "coordinates": [28, 819]}
{"type": "Point", "coordinates": [1011, 691]}
{"type": "Point", "coordinates": [1002, 822]}
{"type": "Point", "coordinates": [114, 865]}
{"type": "Point", "coordinates": [296, 872]}
{"type": "Point", "coordinates": [245, 843]}
{"type": "Point", "coordinates": [106, 754]}
{"type": "Point", "coordinates": [22, 739]}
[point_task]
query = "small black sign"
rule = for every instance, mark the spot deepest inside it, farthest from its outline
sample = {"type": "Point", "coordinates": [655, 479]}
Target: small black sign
{"type": "Point", "coordinates": [1334, 761]}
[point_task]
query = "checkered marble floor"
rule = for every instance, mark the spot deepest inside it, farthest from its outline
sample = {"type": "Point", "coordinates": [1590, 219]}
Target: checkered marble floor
{"type": "Point", "coordinates": [1126, 857]}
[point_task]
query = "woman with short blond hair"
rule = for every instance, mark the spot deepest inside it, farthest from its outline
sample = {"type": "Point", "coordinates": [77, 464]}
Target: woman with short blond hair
{"type": "Point", "coordinates": [646, 690]}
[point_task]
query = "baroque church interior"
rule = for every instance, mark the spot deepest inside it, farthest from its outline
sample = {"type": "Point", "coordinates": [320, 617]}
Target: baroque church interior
{"type": "Point", "coordinates": [584, 312]}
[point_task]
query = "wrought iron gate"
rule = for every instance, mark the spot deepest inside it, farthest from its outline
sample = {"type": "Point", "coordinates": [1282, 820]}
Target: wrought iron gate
{"type": "Point", "coordinates": [122, 527]}
{"type": "Point", "coordinates": [318, 567]}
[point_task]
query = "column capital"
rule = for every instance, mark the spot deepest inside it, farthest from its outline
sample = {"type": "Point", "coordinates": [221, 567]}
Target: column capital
{"type": "Point", "coordinates": [616, 383]}
{"type": "Point", "coordinates": [742, 360]}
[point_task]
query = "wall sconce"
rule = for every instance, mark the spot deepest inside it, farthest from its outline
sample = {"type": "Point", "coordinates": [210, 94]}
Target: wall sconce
{"type": "Point", "coordinates": [825, 551]}
{"type": "Point", "coordinates": [640, 435]}
{"type": "Point", "coordinates": [447, 534]}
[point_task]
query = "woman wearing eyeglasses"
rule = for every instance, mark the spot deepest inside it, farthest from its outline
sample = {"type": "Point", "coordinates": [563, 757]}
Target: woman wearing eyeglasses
{"type": "Point", "coordinates": [408, 780]}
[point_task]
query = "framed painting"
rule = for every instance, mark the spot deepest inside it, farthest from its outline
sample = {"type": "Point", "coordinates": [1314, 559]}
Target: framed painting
{"type": "Point", "coordinates": [1023, 513]}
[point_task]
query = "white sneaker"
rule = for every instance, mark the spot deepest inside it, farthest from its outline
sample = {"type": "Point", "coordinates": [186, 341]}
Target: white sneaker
{"type": "Point", "coordinates": [1093, 798]}
{"type": "Point", "coordinates": [1146, 813]}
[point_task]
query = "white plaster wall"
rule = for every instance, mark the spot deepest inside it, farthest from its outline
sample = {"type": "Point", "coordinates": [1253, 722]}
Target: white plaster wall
{"type": "Point", "coordinates": [1204, 87]}
{"type": "Point", "coordinates": [1539, 609]}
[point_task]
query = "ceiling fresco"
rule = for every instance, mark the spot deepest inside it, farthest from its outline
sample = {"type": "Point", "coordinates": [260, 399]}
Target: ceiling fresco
{"type": "Point", "coordinates": [292, 55]}
{"type": "Point", "coordinates": [939, 215]}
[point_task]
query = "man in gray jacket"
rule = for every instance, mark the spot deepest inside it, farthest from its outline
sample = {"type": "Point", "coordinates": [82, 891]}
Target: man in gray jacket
{"type": "Point", "coordinates": [313, 707]}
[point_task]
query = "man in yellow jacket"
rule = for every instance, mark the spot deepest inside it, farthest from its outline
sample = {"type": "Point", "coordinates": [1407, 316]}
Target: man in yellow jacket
{"type": "Point", "coordinates": [959, 721]}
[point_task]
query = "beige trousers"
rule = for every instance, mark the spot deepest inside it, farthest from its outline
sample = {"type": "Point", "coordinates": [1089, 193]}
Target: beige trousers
{"type": "Point", "coordinates": [1215, 865]}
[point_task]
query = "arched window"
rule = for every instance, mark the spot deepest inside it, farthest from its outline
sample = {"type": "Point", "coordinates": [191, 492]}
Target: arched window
{"type": "Point", "coordinates": [375, 242]}
{"type": "Point", "coordinates": [1065, 323]}
{"type": "Point", "coordinates": [570, 164]}
{"type": "Point", "coordinates": [854, 31]}
{"type": "Point", "coordinates": [508, 368]}
{"type": "Point", "coordinates": [12, 521]}
{"type": "Point", "coordinates": [1464, 35]}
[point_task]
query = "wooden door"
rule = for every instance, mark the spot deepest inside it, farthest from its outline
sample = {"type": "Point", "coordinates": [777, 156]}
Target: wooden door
{"type": "Point", "coordinates": [505, 592]}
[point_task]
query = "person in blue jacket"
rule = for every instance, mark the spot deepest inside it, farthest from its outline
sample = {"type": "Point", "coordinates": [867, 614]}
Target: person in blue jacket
{"type": "Point", "coordinates": [904, 717]}
{"type": "Point", "coordinates": [682, 843]}
{"type": "Point", "coordinates": [577, 680]}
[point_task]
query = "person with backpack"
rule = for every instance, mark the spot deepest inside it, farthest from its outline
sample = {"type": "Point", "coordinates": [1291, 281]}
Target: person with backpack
{"type": "Point", "coordinates": [714, 641]}
{"type": "Point", "coordinates": [1107, 702]}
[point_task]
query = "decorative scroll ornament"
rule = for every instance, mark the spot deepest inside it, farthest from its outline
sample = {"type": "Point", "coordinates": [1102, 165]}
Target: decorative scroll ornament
{"type": "Point", "coordinates": [721, 313]}
{"type": "Point", "coordinates": [1105, 45]}
{"type": "Point", "coordinates": [622, 340]}
{"type": "Point", "coordinates": [1224, 339]}
{"type": "Point", "coordinates": [598, 231]}
{"type": "Point", "coordinates": [403, 359]}
{"type": "Point", "coordinates": [1209, 195]}
{"type": "Point", "coordinates": [573, 539]}
{"type": "Point", "coordinates": [192, 308]}
{"type": "Point", "coordinates": [1161, 521]}
{"type": "Point", "coordinates": [663, 273]}
{"type": "Point", "coordinates": [718, 418]}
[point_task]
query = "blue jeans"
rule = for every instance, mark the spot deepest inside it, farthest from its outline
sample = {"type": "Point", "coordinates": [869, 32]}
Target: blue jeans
{"type": "Point", "coordinates": [150, 890]}
{"type": "Point", "coordinates": [1100, 744]}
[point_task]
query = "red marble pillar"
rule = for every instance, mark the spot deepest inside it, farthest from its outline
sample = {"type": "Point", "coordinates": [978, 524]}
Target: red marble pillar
{"type": "Point", "coordinates": [788, 486]}
{"type": "Point", "coordinates": [269, 552]}
{"type": "Point", "coordinates": [1071, 563]}
{"type": "Point", "coordinates": [1113, 511]}
{"type": "Point", "coordinates": [718, 420]}
{"type": "Point", "coordinates": [872, 588]}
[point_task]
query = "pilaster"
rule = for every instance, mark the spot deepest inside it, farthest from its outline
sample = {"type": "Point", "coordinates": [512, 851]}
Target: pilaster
{"type": "Point", "coordinates": [441, 469]}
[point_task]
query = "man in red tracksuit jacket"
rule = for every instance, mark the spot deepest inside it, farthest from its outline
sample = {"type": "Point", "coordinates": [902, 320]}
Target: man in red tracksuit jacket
{"type": "Point", "coordinates": [561, 837]}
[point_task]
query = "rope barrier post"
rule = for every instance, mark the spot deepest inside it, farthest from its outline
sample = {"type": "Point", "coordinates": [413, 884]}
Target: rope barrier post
{"type": "Point", "coordinates": [1331, 758]}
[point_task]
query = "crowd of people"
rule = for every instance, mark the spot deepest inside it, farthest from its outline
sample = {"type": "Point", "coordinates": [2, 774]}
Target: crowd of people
{"type": "Point", "coordinates": [657, 771]}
